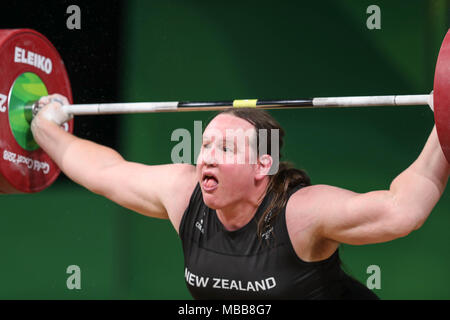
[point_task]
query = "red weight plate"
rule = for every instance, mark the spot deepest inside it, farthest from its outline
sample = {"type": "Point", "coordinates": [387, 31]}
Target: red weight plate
{"type": "Point", "coordinates": [24, 50]}
{"type": "Point", "coordinates": [441, 96]}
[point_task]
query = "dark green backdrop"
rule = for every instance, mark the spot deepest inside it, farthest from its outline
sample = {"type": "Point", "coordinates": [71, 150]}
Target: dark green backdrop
{"type": "Point", "coordinates": [214, 50]}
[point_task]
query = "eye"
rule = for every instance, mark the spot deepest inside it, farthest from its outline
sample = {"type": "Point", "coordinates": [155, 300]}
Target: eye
{"type": "Point", "coordinates": [228, 148]}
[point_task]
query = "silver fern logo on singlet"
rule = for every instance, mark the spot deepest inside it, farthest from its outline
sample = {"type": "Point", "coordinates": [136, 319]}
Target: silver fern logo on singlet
{"type": "Point", "coordinates": [268, 228]}
{"type": "Point", "coordinates": [266, 235]}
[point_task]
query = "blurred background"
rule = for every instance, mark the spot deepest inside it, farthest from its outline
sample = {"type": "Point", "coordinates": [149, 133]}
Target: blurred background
{"type": "Point", "coordinates": [171, 50]}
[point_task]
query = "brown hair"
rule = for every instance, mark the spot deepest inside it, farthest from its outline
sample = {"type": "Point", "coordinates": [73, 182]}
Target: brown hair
{"type": "Point", "coordinates": [286, 178]}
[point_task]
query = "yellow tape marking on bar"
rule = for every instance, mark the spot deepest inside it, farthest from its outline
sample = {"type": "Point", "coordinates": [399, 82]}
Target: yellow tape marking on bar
{"type": "Point", "coordinates": [247, 103]}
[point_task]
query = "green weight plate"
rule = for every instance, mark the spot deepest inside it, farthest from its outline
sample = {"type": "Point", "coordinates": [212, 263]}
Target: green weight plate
{"type": "Point", "coordinates": [26, 90]}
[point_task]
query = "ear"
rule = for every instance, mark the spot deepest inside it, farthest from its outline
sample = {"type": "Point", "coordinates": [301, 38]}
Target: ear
{"type": "Point", "coordinates": [263, 166]}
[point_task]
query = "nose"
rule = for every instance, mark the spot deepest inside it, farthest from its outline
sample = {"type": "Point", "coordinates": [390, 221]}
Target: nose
{"type": "Point", "coordinates": [208, 157]}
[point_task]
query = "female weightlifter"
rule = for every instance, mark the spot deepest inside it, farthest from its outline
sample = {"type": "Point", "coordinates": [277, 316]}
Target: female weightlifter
{"type": "Point", "coordinates": [248, 234]}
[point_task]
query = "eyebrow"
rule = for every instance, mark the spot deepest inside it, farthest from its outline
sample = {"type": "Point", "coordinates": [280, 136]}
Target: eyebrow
{"type": "Point", "coordinates": [227, 139]}
{"type": "Point", "coordinates": [224, 140]}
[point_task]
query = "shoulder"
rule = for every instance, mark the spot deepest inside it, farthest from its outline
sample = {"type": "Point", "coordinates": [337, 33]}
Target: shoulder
{"type": "Point", "coordinates": [306, 206]}
{"type": "Point", "coordinates": [182, 180]}
{"type": "Point", "coordinates": [185, 181]}
{"type": "Point", "coordinates": [304, 213]}
{"type": "Point", "coordinates": [300, 217]}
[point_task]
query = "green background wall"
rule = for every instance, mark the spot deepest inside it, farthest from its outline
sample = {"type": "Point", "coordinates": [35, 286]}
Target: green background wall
{"type": "Point", "coordinates": [214, 50]}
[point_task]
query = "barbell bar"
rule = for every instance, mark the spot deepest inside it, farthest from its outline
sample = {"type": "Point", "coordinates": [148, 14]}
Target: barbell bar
{"type": "Point", "coordinates": [331, 102]}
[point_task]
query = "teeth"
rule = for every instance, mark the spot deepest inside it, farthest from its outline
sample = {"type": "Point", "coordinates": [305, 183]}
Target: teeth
{"type": "Point", "coordinates": [209, 177]}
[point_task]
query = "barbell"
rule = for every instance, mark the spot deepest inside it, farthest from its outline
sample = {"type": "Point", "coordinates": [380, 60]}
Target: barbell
{"type": "Point", "coordinates": [30, 67]}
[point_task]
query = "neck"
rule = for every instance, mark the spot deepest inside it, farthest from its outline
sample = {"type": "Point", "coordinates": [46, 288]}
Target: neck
{"type": "Point", "coordinates": [238, 214]}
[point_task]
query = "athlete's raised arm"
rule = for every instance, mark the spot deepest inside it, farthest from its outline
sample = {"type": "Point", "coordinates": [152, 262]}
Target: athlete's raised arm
{"type": "Point", "coordinates": [142, 188]}
{"type": "Point", "coordinates": [344, 216]}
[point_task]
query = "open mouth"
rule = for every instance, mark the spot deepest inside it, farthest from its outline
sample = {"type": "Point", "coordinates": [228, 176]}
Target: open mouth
{"type": "Point", "coordinates": [209, 182]}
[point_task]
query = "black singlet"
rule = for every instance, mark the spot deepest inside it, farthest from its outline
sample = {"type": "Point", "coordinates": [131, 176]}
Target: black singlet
{"type": "Point", "coordinates": [222, 264]}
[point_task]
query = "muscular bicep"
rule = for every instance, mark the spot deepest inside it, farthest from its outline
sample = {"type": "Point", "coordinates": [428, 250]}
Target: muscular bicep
{"type": "Point", "coordinates": [160, 191]}
{"type": "Point", "coordinates": [353, 218]}
{"type": "Point", "coordinates": [361, 218]}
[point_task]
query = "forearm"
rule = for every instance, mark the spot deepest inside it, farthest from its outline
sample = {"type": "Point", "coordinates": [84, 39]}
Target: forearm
{"type": "Point", "coordinates": [417, 189]}
{"type": "Point", "coordinates": [81, 160]}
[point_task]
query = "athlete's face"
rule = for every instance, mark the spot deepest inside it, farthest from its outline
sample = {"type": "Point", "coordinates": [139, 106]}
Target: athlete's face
{"type": "Point", "coordinates": [227, 165]}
